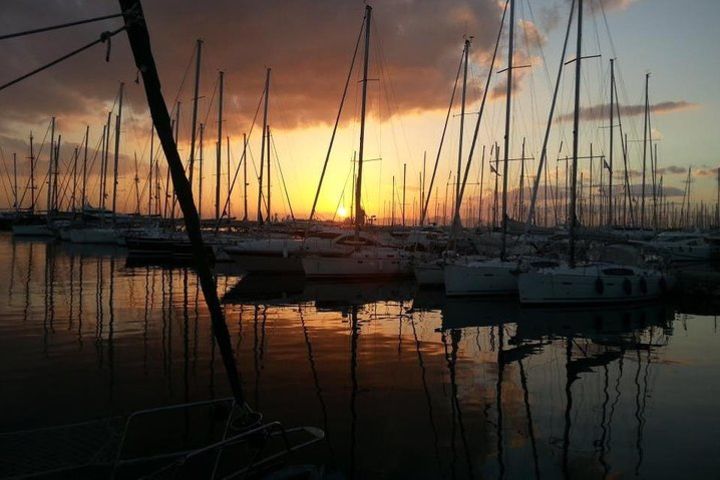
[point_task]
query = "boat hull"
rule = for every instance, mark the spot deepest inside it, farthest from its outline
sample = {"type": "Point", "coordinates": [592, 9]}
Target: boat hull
{"type": "Point", "coordinates": [493, 278]}
{"type": "Point", "coordinates": [39, 230]}
{"type": "Point", "coordinates": [590, 286]}
{"type": "Point", "coordinates": [359, 265]}
{"type": "Point", "coordinates": [97, 236]}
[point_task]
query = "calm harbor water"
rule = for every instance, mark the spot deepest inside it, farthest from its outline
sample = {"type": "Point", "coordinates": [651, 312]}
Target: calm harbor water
{"type": "Point", "coordinates": [405, 384]}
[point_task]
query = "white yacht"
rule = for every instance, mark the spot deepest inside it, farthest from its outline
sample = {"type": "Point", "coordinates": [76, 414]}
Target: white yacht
{"type": "Point", "coordinates": [594, 283]}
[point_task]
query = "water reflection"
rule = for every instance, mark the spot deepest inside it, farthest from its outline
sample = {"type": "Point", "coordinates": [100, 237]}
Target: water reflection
{"type": "Point", "coordinates": [405, 384]}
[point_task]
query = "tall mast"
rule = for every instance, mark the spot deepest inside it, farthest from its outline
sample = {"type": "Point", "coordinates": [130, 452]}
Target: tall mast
{"type": "Point", "coordinates": [84, 172]}
{"type": "Point", "coordinates": [118, 121]}
{"type": "Point", "coordinates": [103, 180]}
{"type": "Point", "coordinates": [403, 195]}
{"type": "Point", "coordinates": [218, 156]}
{"type": "Point", "coordinates": [229, 189]}
{"type": "Point", "coordinates": [74, 179]}
{"type": "Point", "coordinates": [150, 178]}
{"type": "Point", "coordinates": [612, 138]}
{"type": "Point", "coordinates": [576, 134]}
{"type": "Point", "coordinates": [521, 193]}
{"type": "Point", "coordinates": [642, 200]}
{"type": "Point", "coordinates": [508, 115]}
{"type": "Point", "coordinates": [101, 198]}
{"type": "Point", "coordinates": [466, 50]}
{"type": "Point", "coordinates": [200, 171]}
{"type": "Point", "coordinates": [245, 182]}
{"type": "Point", "coordinates": [50, 164]}
{"type": "Point", "coordinates": [32, 176]}
{"type": "Point", "coordinates": [359, 215]}
{"type": "Point", "coordinates": [56, 168]}
{"type": "Point", "coordinates": [392, 200]}
{"type": "Point", "coordinates": [136, 180]}
{"type": "Point", "coordinates": [15, 190]}
{"type": "Point", "coordinates": [262, 148]}
{"type": "Point", "coordinates": [267, 139]}
{"type": "Point", "coordinates": [196, 93]}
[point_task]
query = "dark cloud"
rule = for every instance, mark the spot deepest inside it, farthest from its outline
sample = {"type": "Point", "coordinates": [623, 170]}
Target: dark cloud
{"type": "Point", "coordinates": [307, 43]}
{"type": "Point", "coordinates": [601, 112]}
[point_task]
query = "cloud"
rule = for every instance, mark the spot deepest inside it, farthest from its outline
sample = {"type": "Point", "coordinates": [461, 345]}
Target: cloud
{"type": "Point", "coordinates": [532, 34]}
{"type": "Point", "coordinates": [307, 43]}
{"type": "Point", "coordinates": [602, 111]}
{"type": "Point", "coordinates": [615, 4]}
{"type": "Point", "coordinates": [672, 169]}
{"type": "Point", "coordinates": [706, 172]}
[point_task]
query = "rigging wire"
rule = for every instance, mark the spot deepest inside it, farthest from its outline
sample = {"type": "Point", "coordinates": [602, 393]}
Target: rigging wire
{"type": "Point", "coordinates": [104, 37]}
{"type": "Point", "coordinates": [57, 27]}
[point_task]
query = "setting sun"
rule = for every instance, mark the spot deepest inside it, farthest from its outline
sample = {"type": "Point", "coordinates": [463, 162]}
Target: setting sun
{"type": "Point", "coordinates": [342, 212]}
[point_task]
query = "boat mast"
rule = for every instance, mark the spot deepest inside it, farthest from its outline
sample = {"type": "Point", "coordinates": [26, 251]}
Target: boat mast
{"type": "Point", "coordinates": [74, 179]}
{"type": "Point", "coordinates": [508, 115]}
{"type": "Point", "coordinates": [15, 189]}
{"type": "Point", "coordinates": [359, 215]}
{"type": "Point", "coordinates": [612, 138]}
{"type": "Point", "coordinates": [32, 177]}
{"type": "Point", "coordinates": [56, 172]}
{"type": "Point", "coordinates": [200, 170]}
{"type": "Point", "coordinates": [576, 135]}
{"type": "Point", "coordinates": [218, 167]}
{"type": "Point", "coordinates": [84, 171]}
{"type": "Point", "coordinates": [118, 121]}
{"type": "Point", "coordinates": [642, 200]}
{"type": "Point", "coordinates": [543, 153]}
{"type": "Point", "coordinates": [262, 148]}
{"type": "Point", "coordinates": [150, 178]}
{"type": "Point", "coordinates": [245, 182]}
{"type": "Point", "coordinates": [196, 93]}
{"type": "Point", "coordinates": [466, 50]}
{"type": "Point", "coordinates": [267, 140]}
{"type": "Point", "coordinates": [229, 190]}
{"type": "Point", "coordinates": [403, 195]}
{"type": "Point", "coordinates": [50, 164]}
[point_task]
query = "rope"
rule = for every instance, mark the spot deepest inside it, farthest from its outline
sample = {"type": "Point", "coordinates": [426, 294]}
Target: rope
{"type": "Point", "coordinates": [57, 27]}
{"type": "Point", "coordinates": [104, 37]}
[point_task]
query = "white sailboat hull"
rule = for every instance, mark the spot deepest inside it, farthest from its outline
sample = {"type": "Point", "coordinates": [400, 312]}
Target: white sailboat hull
{"type": "Point", "coordinates": [357, 265]}
{"type": "Point", "coordinates": [596, 284]}
{"type": "Point", "coordinates": [492, 277]}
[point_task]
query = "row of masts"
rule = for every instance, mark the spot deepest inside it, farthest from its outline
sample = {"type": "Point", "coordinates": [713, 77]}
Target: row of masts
{"type": "Point", "coordinates": [576, 201]}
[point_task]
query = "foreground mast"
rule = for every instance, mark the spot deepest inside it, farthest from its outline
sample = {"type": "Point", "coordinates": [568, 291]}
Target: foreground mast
{"type": "Point", "coordinates": [359, 214]}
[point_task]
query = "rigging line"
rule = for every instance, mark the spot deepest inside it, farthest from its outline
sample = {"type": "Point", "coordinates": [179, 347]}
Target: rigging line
{"type": "Point", "coordinates": [92, 165]}
{"type": "Point", "coordinates": [543, 152]}
{"type": "Point", "coordinates": [337, 119]}
{"type": "Point", "coordinates": [442, 140]}
{"type": "Point", "coordinates": [40, 185]}
{"type": "Point", "coordinates": [458, 203]}
{"type": "Point", "coordinates": [57, 27]}
{"type": "Point", "coordinates": [282, 177]}
{"type": "Point", "coordinates": [243, 158]}
{"type": "Point", "coordinates": [34, 165]}
{"type": "Point", "coordinates": [104, 37]}
{"type": "Point", "coordinates": [342, 194]}
{"type": "Point", "coordinates": [2, 156]}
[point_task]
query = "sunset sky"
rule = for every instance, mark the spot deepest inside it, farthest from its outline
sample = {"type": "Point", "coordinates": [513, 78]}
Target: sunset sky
{"type": "Point", "coordinates": [416, 48]}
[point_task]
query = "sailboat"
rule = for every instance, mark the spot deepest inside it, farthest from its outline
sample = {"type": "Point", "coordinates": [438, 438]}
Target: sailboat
{"type": "Point", "coordinates": [492, 276]}
{"type": "Point", "coordinates": [594, 282]}
{"type": "Point", "coordinates": [363, 261]}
